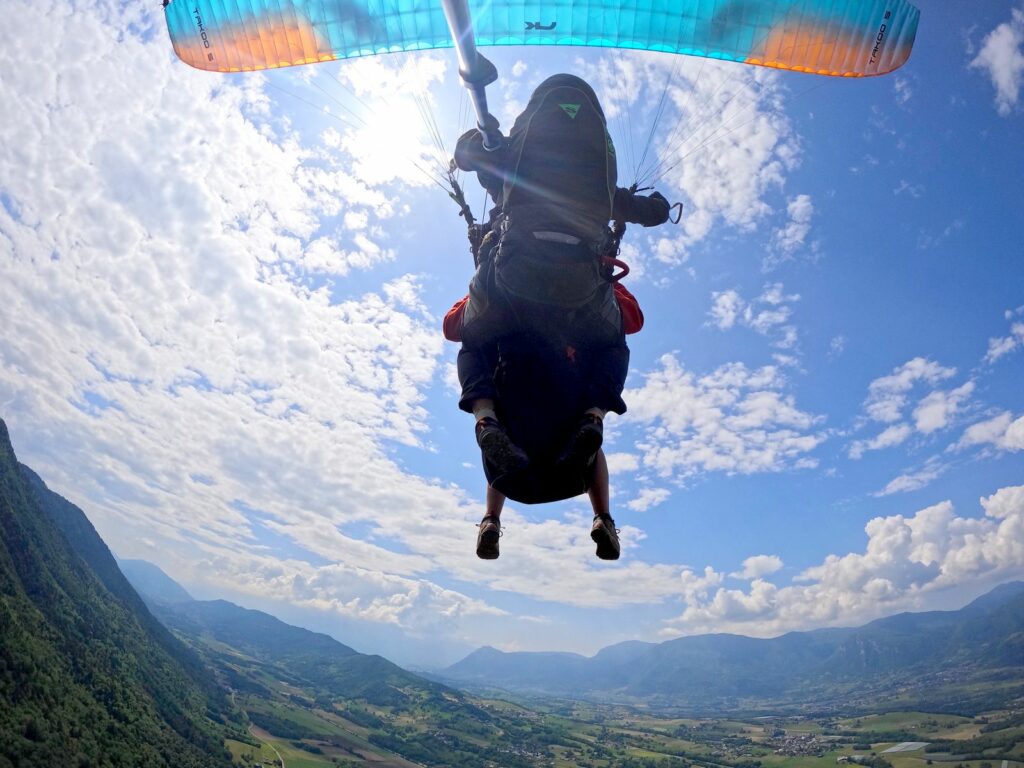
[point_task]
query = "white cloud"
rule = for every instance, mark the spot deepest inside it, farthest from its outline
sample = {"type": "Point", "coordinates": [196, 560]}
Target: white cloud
{"type": "Point", "coordinates": [724, 143]}
{"type": "Point", "coordinates": [907, 562]}
{"type": "Point", "coordinates": [931, 239]}
{"type": "Point", "coordinates": [914, 190]}
{"type": "Point", "coordinates": [836, 346]}
{"type": "Point", "coordinates": [914, 481]}
{"type": "Point", "coordinates": [348, 591]}
{"type": "Point", "coordinates": [757, 566]}
{"type": "Point", "coordinates": [390, 143]}
{"type": "Point", "coordinates": [1003, 345]}
{"type": "Point", "coordinates": [1002, 431]}
{"type": "Point", "coordinates": [791, 238]}
{"type": "Point", "coordinates": [937, 409]}
{"type": "Point", "coordinates": [647, 498]}
{"type": "Point", "coordinates": [1002, 57]}
{"type": "Point", "coordinates": [732, 420]}
{"type": "Point", "coordinates": [903, 89]}
{"type": "Point", "coordinates": [888, 399]}
{"type": "Point", "coordinates": [768, 314]}
{"type": "Point", "coordinates": [622, 462]}
{"type": "Point", "coordinates": [887, 438]}
{"type": "Point", "coordinates": [725, 308]}
{"type": "Point", "coordinates": [888, 395]}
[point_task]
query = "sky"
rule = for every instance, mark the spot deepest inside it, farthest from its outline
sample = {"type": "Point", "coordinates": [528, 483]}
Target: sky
{"type": "Point", "coordinates": [221, 299]}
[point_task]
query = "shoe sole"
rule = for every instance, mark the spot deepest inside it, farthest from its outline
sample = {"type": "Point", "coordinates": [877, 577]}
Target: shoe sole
{"type": "Point", "coordinates": [605, 549]}
{"type": "Point", "coordinates": [503, 454]}
{"type": "Point", "coordinates": [586, 444]}
{"type": "Point", "coordinates": [487, 546]}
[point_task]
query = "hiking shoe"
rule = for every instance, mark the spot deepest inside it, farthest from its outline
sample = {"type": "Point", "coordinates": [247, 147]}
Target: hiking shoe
{"type": "Point", "coordinates": [587, 440]}
{"type": "Point", "coordinates": [606, 536]}
{"type": "Point", "coordinates": [498, 449]}
{"type": "Point", "coordinates": [487, 538]}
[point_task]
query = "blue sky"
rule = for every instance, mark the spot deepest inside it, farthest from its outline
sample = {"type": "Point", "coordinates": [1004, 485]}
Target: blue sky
{"type": "Point", "coordinates": [221, 307]}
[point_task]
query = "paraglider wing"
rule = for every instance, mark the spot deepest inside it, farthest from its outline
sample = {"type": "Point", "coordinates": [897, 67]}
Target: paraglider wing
{"type": "Point", "coordinates": [850, 38]}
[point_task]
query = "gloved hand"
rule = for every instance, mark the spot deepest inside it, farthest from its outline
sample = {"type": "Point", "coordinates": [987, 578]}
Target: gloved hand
{"type": "Point", "coordinates": [470, 154]}
{"type": "Point", "coordinates": [656, 209]}
{"type": "Point", "coordinates": [468, 150]}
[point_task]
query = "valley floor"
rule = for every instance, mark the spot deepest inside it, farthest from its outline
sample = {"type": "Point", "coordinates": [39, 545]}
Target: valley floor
{"type": "Point", "coordinates": [588, 736]}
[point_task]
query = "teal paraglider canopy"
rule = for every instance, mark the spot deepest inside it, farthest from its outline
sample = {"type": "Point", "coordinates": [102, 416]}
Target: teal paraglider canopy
{"type": "Point", "coordinates": [828, 37]}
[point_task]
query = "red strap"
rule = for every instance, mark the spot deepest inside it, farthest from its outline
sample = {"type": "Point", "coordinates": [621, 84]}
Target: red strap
{"type": "Point", "coordinates": [611, 261]}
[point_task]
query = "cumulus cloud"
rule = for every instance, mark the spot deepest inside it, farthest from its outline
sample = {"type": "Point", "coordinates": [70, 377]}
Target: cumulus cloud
{"type": "Point", "coordinates": [907, 562]}
{"type": "Point", "coordinates": [890, 436]}
{"type": "Point", "coordinates": [889, 399]}
{"type": "Point", "coordinates": [1003, 432]}
{"type": "Point", "coordinates": [726, 308]}
{"type": "Point", "coordinates": [1002, 58]}
{"type": "Point", "coordinates": [937, 409]}
{"type": "Point", "coordinates": [348, 591]}
{"type": "Point", "coordinates": [622, 462]}
{"type": "Point", "coordinates": [647, 498]}
{"type": "Point", "coordinates": [888, 394]}
{"type": "Point", "coordinates": [757, 566]}
{"type": "Point", "coordinates": [1004, 345]}
{"type": "Point", "coordinates": [732, 420]}
{"type": "Point", "coordinates": [913, 481]}
{"type": "Point", "coordinates": [724, 145]}
{"type": "Point", "coordinates": [790, 238]}
{"type": "Point", "coordinates": [769, 314]}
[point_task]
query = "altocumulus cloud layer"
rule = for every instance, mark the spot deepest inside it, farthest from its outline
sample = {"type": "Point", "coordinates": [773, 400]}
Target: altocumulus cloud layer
{"type": "Point", "coordinates": [174, 356]}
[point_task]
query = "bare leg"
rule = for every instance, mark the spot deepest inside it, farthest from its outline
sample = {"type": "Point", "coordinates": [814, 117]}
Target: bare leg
{"type": "Point", "coordinates": [490, 527]}
{"type": "Point", "coordinates": [598, 492]}
{"type": "Point", "coordinates": [603, 531]}
{"type": "Point", "coordinates": [495, 501]}
{"type": "Point", "coordinates": [482, 406]}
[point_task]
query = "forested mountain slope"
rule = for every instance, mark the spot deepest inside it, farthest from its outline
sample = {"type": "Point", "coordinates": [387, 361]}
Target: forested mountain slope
{"type": "Point", "coordinates": [87, 676]}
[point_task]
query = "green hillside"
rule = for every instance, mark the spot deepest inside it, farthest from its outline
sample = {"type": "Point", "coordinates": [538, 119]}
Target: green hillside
{"type": "Point", "coordinates": [306, 691]}
{"type": "Point", "coordinates": [87, 676]}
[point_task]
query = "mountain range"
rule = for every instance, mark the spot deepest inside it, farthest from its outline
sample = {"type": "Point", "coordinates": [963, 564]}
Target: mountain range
{"type": "Point", "coordinates": [903, 653]}
{"type": "Point", "coordinates": [959, 660]}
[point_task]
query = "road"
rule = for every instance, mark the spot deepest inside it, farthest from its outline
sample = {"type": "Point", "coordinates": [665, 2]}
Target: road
{"type": "Point", "coordinates": [264, 737]}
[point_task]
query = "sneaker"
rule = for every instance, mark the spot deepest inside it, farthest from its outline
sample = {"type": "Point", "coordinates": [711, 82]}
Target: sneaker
{"type": "Point", "coordinates": [487, 538]}
{"type": "Point", "coordinates": [498, 448]}
{"type": "Point", "coordinates": [606, 536]}
{"type": "Point", "coordinates": [587, 440]}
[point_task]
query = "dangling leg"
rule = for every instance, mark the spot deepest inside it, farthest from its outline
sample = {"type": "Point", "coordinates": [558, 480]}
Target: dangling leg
{"type": "Point", "coordinates": [604, 357]}
{"type": "Point", "coordinates": [603, 532]}
{"type": "Point", "coordinates": [482, 330]}
{"type": "Point", "coordinates": [490, 526]}
{"type": "Point", "coordinates": [503, 456]}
